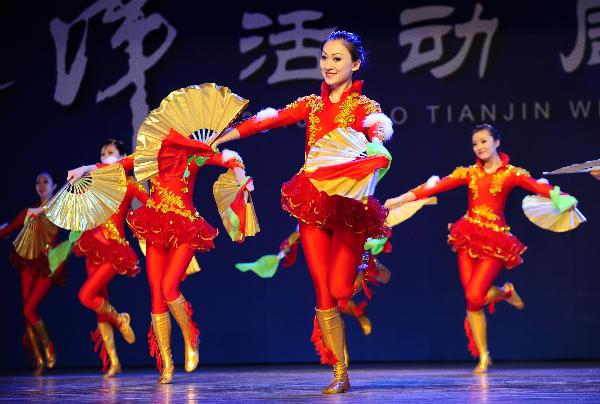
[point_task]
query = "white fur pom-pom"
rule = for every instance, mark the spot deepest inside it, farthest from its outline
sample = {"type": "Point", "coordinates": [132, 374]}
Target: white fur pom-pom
{"type": "Point", "coordinates": [543, 181]}
{"type": "Point", "coordinates": [383, 120]}
{"type": "Point", "coordinates": [230, 154]}
{"type": "Point", "coordinates": [432, 181]}
{"type": "Point", "coordinates": [267, 113]}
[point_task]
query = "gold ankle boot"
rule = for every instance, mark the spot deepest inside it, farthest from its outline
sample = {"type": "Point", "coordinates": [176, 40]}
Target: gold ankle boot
{"type": "Point", "coordinates": [161, 324]}
{"type": "Point", "coordinates": [479, 328]}
{"type": "Point", "coordinates": [108, 339]}
{"type": "Point", "coordinates": [333, 335]}
{"type": "Point", "coordinates": [512, 297]}
{"type": "Point", "coordinates": [180, 310]}
{"type": "Point", "coordinates": [40, 330]}
{"type": "Point", "coordinates": [363, 320]}
{"type": "Point", "coordinates": [121, 320]}
{"type": "Point", "coordinates": [38, 360]}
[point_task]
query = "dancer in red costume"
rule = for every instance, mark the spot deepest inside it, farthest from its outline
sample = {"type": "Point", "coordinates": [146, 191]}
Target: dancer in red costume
{"type": "Point", "coordinates": [36, 282]}
{"type": "Point", "coordinates": [173, 231]}
{"type": "Point", "coordinates": [107, 253]}
{"type": "Point", "coordinates": [481, 238]}
{"type": "Point", "coordinates": [333, 228]}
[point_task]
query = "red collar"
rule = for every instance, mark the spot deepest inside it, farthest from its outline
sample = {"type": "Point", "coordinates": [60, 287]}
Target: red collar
{"type": "Point", "coordinates": [356, 87]}
{"type": "Point", "coordinates": [503, 156]}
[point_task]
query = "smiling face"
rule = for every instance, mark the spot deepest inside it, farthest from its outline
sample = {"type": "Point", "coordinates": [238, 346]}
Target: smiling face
{"type": "Point", "coordinates": [336, 64]}
{"type": "Point", "coordinates": [109, 154]}
{"type": "Point", "coordinates": [44, 186]}
{"type": "Point", "coordinates": [484, 145]}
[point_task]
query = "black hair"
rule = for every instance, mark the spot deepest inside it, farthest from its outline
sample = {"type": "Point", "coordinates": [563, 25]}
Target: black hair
{"type": "Point", "coordinates": [495, 133]}
{"type": "Point", "coordinates": [48, 174]}
{"type": "Point", "coordinates": [353, 44]}
{"type": "Point", "coordinates": [120, 146]}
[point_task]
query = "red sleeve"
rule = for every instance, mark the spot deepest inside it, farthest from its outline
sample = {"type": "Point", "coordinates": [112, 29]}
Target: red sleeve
{"type": "Point", "coordinates": [16, 224]}
{"type": "Point", "coordinates": [232, 163]}
{"type": "Point", "coordinates": [138, 191]}
{"type": "Point", "coordinates": [190, 146]}
{"type": "Point", "coordinates": [127, 163]}
{"type": "Point", "coordinates": [525, 181]}
{"type": "Point", "coordinates": [294, 112]}
{"type": "Point", "coordinates": [454, 180]}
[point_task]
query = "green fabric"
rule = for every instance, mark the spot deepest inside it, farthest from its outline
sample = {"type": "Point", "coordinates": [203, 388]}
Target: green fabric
{"type": "Point", "coordinates": [561, 202]}
{"type": "Point", "coordinates": [199, 160]}
{"type": "Point", "coordinates": [235, 223]}
{"type": "Point", "coordinates": [378, 149]}
{"type": "Point", "coordinates": [265, 266]}
{"type": "Point", "coordinates": [375, 245]}
{"type": "Point", "coordinates": [60, 253]}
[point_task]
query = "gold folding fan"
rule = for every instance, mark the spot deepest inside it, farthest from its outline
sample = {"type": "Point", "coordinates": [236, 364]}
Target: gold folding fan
{"type": "Point", "coordinates": [34, 237]}
{"type": "Point", "coordinates": [540, 211]}
{"type": "Point", "coordinates": [201, 112]}
{"type": "Point", "coordinates": [341, 146]}
{"type": "Point", "coordinates": [407, 210]}
{"type": "Point", "coordinates": [225, 190]}
{"type": "Point", "coordinates": [89, 201]}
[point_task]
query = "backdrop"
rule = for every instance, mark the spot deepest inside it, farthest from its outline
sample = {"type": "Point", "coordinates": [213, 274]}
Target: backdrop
{"type": "Point", "coordinates": [76, 73]}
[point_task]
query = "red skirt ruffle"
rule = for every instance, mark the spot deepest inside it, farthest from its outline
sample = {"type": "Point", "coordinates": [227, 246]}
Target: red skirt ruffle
{"type": "Point", "coordinates": [39, 267]}
{"type": "Point", "coordinates": [122, 257]}
{"type": "Point", "coordinates": [481, 241]}
{"type": "Point", "coordinates": [170, 229]}
{"type": "Point", "coordinates": [302, 200]}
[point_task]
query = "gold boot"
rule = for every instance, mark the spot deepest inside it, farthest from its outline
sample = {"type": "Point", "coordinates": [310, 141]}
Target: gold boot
{"type": "Point", "coordinates": [38, 360]}
{"type": "Point", "coordinates": [179, 310]}
{"type": "Point", "coordinates": [479, 328]}
{"type": "Point", "coordinates": [108, 339]}
{"type": "Point", "coordinates": [47, 344]}
{"type": "Point", "coordinates": [121, 320]}
{"type": "Point", "coordinates": [363, 320]}
{"type": "Point", "coordinates": [161, 324]}
{"type": "Point", "coordinates": [333, 335]}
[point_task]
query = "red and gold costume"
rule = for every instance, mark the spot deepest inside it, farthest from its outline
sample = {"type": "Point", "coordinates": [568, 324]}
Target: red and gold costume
{"type": "Point", "coordinates": [108, 253]}
{"type": "Point", "coordinates": [173, 231]}
{"type": "Point", "coordinates": [36, 282]}
{"type": "Point", "coordinates": [482, 240]}
{"type": "Point", "coordinates": [333, 228]}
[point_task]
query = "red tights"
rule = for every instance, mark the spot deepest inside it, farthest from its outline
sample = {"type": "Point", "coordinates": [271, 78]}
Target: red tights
{"type": "Point", "coordinates": [95, 289]}
{"type": "Point", "coordinates": [332, 258]}
{"type": "Point", "coordinates": [477, 276]}
{"type": "Point", "coordinates": [34, 289]}
{"type": "Point", "coordinates": [166, 268]}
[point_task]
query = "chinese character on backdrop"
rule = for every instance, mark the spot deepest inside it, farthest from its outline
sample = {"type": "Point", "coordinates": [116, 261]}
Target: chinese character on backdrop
{"type": "Point", "coordinates": [428, 25]}
{"type": "Point", "coordinates": [588, 36]}
{"type": "Point", "coordinates": [133, 29]}
{"type": "Point", "coordinates": [294, 40]}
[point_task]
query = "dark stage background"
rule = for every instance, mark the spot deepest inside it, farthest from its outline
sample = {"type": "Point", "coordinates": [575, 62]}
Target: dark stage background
{"type": "Point", "coordinates": [538, 59]}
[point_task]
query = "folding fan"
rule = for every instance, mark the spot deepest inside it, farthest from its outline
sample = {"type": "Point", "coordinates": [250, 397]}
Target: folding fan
{"type": "Point", "coordinates": [201, 112]}
{"type": "Point", "coordinates": [541, 212]}
{"type": "Point", "coordinates": [34, 237]}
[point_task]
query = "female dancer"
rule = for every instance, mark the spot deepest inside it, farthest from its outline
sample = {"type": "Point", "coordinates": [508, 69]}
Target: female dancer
{"type": "Point", "coordinates": [36, 282]}
{"type": "Point", "coordinates": [173, 231]}
{"type": "Point", "coordinates": [481, 238]}
{"type": "Point", "coordinates": [333, 228]}
{"type": "Point", "coordinates": [107, 253]}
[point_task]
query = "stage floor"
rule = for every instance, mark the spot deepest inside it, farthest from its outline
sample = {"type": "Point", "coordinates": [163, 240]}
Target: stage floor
{"type": "Point", "coordinates": [507, 382]}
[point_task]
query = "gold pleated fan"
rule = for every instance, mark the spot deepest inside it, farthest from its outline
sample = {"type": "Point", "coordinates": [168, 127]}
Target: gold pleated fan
{"type": "Point", "coordinates": [539, 211]}
{"type": "Point", "coordinates": [89, 201]}
{"type": "Point", "coordinates": [34, 237]}
{"type": "Point", "coordinates": [407, 210]}
{"type": "Point", "coordinates": [225, 189]}
{"type": "Point", "coordinates": [337, 147]}
{"type": "Point", "coordinates": [201, 112]}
